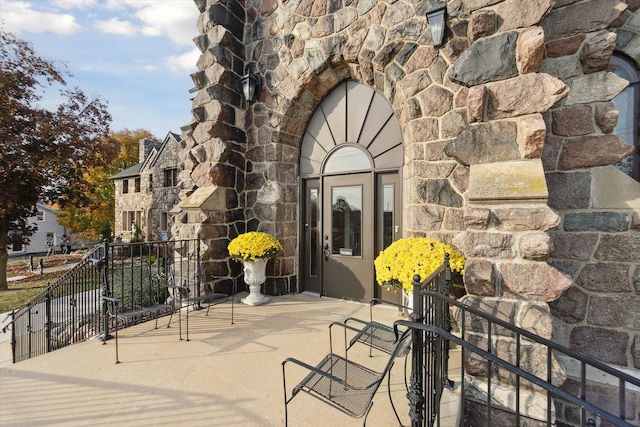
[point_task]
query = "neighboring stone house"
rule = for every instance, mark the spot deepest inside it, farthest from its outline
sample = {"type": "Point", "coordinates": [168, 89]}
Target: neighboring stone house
{"type": "Point", "coordinates": [503, 142]}
{"type": "Point", "coordinates": [146, 192]}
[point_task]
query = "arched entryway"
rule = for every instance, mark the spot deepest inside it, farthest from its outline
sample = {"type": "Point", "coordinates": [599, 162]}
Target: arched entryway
{"type": "Point", "coordinates": [350, 167]}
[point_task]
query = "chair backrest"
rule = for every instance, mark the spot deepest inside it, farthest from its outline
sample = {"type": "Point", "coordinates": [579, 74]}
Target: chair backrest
{"type": "Point", "coordinates": [401, 348]}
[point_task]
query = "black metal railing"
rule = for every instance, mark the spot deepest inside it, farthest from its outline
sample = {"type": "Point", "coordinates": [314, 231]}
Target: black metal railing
{"type": "Point", "coordinates": [72, 309]}
{"type": "Point", "coordinates": [589, 392]}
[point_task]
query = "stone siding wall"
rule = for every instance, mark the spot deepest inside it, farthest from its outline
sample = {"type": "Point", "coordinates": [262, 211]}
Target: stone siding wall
{"type": "Point", "coordinates": [162, 199]}
{"type": "Point", "coordinates": [598, 239]}
{"type": "Point", "coordinates": [150, 201]}
{"type": "Point", "coordinates": [507, 138]}
{"type": "Point", "coordinates": [130, 201]}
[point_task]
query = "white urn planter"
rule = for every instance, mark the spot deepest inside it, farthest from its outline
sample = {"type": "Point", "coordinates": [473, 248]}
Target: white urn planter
{"type": "Point", "coordinates": [254, 276]}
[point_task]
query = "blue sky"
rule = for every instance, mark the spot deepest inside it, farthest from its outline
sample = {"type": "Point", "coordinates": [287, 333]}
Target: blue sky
{"type": "Point", "coordinates": [136, 54]}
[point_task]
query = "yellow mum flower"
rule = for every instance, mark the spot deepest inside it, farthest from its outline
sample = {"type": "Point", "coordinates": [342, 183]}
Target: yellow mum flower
{"type": "Point", "coordinates": [405, 258]}
{"type": "Point", "coordinates": [255, 245]}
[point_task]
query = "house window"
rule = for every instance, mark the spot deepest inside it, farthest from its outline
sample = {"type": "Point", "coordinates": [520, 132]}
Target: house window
{"type": "Point", "coordinates": [129, 218]}
{"type": "Point", "coordinates": [150, 182]}
{"type": "Point", "coordinates": [164, 221]}
{"type": "Point", "coordinates": [137, 185]}
{"type": "Point", "coordinates": [170, 177]}
{"type": "Point", "coordinates": [125, 186]}
{"type": "Point", "coordinates": [629, 113]}
{"type": "Point", "coordinates": [40, 215]}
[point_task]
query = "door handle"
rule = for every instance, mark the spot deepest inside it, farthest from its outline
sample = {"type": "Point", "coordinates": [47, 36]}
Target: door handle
{"type": "Point", "coordinates": [327, 251]}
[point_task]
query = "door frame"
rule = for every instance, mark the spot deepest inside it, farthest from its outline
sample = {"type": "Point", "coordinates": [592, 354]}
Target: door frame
{"type": "Point", "coordinates": [378, 178]}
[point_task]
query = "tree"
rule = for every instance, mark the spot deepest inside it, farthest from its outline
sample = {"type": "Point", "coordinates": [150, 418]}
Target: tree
{"type": "Point", "coordinates": [42, 153]}
{"type": "Point", "coordinates": [92, 203]}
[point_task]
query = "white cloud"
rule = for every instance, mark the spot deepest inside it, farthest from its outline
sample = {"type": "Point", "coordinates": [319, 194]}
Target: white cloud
{"type": "Point", "coordinates": [116, 26]}
{"type": "Point", "coordinates": [19, 17]}
{"type": "Point", "coordinates": [74, 4]}
{"type": "Point", "coordinates": [184, 63]}
{"type": "Point", "coordinates": [175, 19]}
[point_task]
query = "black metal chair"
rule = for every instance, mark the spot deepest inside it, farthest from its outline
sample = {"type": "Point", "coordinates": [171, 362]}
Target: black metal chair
{"type": "Point", "coordinates": [145, 301]}
{"type": "Point", "coordinates": [374, 334]}
{"type": "Point", "coordinates": [208, 297]}
{"type": "Point", "coordinates": [342, 383]}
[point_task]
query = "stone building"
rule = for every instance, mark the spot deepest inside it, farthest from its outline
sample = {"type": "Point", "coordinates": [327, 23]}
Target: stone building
{"type": "Point", "coordinates": [516, 141]}
{"type": "Point", "coordinates": [146, 193]}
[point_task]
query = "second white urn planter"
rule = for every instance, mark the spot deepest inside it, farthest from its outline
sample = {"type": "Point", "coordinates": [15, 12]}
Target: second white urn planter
{"type": "Point", "coordinates": [254, 276]}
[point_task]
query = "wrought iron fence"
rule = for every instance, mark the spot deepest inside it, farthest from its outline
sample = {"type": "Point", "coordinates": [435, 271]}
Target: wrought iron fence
{"type": "Point", "coordinates": [567, 389]}
{"type": "Point", "coordinates": [72, 309]}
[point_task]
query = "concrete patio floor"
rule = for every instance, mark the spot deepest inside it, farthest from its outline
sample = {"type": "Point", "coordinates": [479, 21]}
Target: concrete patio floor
{"type": "Point", "coordinates": [225, 375]}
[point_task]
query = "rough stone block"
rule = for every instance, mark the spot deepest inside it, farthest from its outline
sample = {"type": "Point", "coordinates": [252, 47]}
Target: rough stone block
{"type": "Point", "coordinates": [538, 92]}
{"type": "Point", "coordinates": [571, 306]}
{"type": "Point", "coordinates": [598, 87]}
{"type": "Point", "coordinates": [595, 54]}
{"type": "Point", "coordinates": [503, 309]}
{"type": "Point", "coordinates": [479, 277]}
{"type": "Point", "coordinates": [485, 143]}
{"type": "Point", "coordinates": [531, 136]}
{"type": "Point", "coordinates": [602, 396]}
{"type": "Point", "coordinates": [606, 345]}
{"type": "Point", "coordinates": [569, 190]}
{"type": "Point", "coordinates": [476, 101]}
{"type": "Point", "coordinates": [534, 217]}
{"type": "Point", "coordinates": [482, 24]}
{"type": "Point", "coordinates": [635, 351]}
{"type": "Point", "coordinates": [485, 245]}
{"type": "Point", "coordinates": [534, 281]}
{"type": "Point", "coordinates": [565, 46]}
{"type": "Point", "coordinates": [477, 218]}
{"type": "Point", "coordinates": [572, 19]}
{"type": "Point", "coordinates": [530, 50]}
{"type": "Point", "coordinates": [615, 311]}
{"type": "Point", "coordinates": [532, 358]}
{"type": "Point", "coordinates": [573, 246]}
{"type": "Point", "coordinates": [620, 248]}
{"type": "Point", "coordinates": [606, 116]}
{"type": "Point", "coordinates": [606, 222]}
{"type": "Point", "coordinates": [535, 246]}
{"type": "Point", "coordinates": [589, 151]}
{"type": "Point", "coordinates": [487, 60]}
{"type": "Point", "coordinates": [576, 120]}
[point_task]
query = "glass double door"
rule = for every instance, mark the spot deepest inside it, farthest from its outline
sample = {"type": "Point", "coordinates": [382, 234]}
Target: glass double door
{"type": "Point", "coordinates": [347, 221]}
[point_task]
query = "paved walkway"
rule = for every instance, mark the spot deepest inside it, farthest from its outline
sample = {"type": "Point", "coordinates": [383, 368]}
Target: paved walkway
{"type": "Point", "coordinates": [225, 375]}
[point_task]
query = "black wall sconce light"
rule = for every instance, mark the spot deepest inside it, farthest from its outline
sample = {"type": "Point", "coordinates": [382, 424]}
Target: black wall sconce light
{"type": "Point", "coordinates": [251, 86]}
{"type": "Point", "coordinates": [436, 20]}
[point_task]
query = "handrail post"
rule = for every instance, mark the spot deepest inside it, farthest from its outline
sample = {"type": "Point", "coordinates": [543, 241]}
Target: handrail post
{"type": "Point", "coordinates": [14, 342]}
{"type": "Point", "coordinates": [106, 292]}
{"type": "Point", "coordinates": [47, 316]}
{"type": "Point", "coordinates": [415, 394]}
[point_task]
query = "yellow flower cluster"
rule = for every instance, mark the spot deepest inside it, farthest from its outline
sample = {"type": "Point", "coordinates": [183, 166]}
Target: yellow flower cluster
{"type": "Point", "coordinates": [255, 245]}
{"type": "Point", "coordinates": [405, 258]}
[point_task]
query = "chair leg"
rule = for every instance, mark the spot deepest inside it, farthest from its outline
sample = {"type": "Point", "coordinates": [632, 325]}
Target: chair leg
{"type": "Point", "coordinates": [391, 399]}
{"type": "Point", "coordinates": [284, 384]}
{"type": "Point", "coordinates": [364, 423]}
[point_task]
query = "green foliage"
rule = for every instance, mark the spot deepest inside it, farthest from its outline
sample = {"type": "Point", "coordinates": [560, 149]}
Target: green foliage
{"type": "Point", "coordinates": [106, 232]}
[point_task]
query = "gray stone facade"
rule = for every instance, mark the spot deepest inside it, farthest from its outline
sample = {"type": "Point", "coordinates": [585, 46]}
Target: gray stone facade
{"type": "Point", "coordinates": [507, 138]}
{"type": "Point", "coordinates": [149, 198]}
